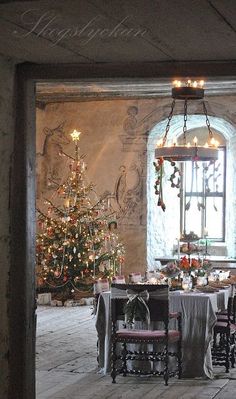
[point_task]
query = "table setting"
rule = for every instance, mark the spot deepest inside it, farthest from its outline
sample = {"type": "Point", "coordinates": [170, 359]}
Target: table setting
{"type": "Point", "coordinates": [196, 291]}
{"type": "Point", "coordinates": [198, 304]}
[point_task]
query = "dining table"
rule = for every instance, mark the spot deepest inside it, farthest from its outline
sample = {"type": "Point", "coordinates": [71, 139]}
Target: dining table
{"type": "Point", "coordinates": [198, 310]}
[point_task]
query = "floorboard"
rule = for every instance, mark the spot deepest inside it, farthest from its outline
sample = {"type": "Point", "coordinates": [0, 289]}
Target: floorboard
{"type": "Point", "coordinates": [67, 365]}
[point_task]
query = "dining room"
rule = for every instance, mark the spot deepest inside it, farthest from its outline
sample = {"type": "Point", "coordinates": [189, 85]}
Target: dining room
{"type": "Point", "coordinates": [139, 226]}
{"type": "Point", "coordinates": [107, 110]}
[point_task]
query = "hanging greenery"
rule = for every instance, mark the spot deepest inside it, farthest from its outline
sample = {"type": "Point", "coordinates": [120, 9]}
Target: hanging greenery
{"type": "Point", "coordinates": [136, 308]}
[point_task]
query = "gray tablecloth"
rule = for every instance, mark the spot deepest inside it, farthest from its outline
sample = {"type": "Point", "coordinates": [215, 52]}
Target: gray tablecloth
{"type": "Point", "coordinates": [198, 319]}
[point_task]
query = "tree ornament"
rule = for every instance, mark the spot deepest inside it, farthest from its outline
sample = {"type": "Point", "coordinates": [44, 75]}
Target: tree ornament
{"type": "Point", "coordinates": [74, 240]}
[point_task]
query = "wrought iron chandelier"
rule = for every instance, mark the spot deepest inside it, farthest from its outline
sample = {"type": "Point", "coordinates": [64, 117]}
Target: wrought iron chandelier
{"type": "Point", "coordinates": [184, 151]}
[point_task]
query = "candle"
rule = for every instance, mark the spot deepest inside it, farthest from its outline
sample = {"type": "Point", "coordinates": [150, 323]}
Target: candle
{"type": "Point", "coordinates": [205, 232]}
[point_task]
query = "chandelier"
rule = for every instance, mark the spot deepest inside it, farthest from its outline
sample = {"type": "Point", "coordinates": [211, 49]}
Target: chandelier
{"type": "Point", "coordinates": [173, 151]}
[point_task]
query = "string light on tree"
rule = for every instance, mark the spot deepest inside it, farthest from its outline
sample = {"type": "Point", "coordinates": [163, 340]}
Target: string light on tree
{"type": "Point", "coordinates": [72, 240]}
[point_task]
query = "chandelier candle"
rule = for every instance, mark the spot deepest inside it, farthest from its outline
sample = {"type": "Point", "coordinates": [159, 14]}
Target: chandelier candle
{"type": "Point", "coordinates": [176, 152]}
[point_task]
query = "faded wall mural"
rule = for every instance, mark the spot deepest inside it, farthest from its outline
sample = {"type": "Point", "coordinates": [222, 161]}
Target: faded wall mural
{"type": "Point", "coordinates": [49, 161]}
{"type": "Point", "coordinates": [113, 139]}
{"type": "Point", "coordinates": [114, 143]}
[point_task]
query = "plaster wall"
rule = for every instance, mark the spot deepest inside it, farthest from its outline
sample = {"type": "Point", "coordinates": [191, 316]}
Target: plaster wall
{"type": "Point", "coordinates": [116, 140]}
{"type": "Point", "coordinates": [6, 148]}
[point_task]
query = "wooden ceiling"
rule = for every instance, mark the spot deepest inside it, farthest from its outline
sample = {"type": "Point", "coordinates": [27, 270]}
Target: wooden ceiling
{"type": "Point", "coordinates": [114, 31]}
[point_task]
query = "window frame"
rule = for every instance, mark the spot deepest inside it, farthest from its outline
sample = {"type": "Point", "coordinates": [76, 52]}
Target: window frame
{"type": "Point", "coordinates": [202, 194]}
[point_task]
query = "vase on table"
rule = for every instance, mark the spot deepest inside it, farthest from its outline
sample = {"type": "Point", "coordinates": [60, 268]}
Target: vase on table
{"type": "Point", "coordinates": [187, 282]}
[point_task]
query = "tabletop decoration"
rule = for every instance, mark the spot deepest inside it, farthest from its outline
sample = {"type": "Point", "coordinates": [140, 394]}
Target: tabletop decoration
{"type": "Point", "coordinates": [201, 280]}
{"type": "Point", "coordinates": [171, 270]}
{"type": "Point", "coordinates": [188, 248]}
{"type": "Point", "coordinates": [187, 283]}
{"type": "Point", "coordinates": [206, 265]}
{"type": "Point", "coordinates": [154, 277]}
{"type": "Point", "coordinates": [188, 265]}
{"type": "Point", "coordinates": [135, 278]}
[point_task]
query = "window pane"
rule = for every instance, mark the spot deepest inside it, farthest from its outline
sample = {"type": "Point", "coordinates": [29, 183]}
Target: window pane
{"type": "Point", "coordinates": [214, 217]}
{"type": "Point", "coordinates": [207, 180]}
{"type": "Point", "coordinates": [193, 217]}
{"type": "Point", "coordinates": [216, 174]}
{"type": "Point", "coordinates": [193, 176]}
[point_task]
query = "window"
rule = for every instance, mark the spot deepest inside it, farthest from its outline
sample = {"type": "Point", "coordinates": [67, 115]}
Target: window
{"type": "Point", "coordinates": [203, 198]}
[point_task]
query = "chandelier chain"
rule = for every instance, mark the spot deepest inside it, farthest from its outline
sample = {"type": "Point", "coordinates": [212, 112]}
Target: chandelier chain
{"type": "Point", "coordinates": [168, 123]}
{"type": "Point", "coordinates": [185, 120]}
{"type": "Point", "coordinates": [207, 120]}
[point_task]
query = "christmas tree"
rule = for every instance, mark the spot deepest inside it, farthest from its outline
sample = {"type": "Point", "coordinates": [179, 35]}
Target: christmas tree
{"type": "Point", "coordinates": [76, 243]}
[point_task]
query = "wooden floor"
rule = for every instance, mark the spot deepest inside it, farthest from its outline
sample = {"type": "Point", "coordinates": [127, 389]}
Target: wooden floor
{"type": "Point", "coordinates": [67, 365]}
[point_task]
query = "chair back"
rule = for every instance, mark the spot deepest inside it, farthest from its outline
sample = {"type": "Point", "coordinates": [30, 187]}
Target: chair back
{"type": "Point", "coordinates": [155, 296]}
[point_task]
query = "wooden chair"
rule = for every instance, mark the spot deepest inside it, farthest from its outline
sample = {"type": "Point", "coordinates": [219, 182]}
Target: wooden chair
{"type": "Point", "coordinates": [155, 302]}
{"type": "Point", "coordinates": [223, 350]}
{"type": "Point", "coordinates": [230, 313]}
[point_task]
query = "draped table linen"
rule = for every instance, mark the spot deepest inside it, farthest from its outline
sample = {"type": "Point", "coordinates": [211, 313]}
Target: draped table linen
{"type": "Point", "coordinates": [198, 319]}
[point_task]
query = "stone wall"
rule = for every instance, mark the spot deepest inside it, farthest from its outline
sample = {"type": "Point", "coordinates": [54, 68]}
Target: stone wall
{"type": "Point", "coordinates": [6, 148]}
{"type": "Point", "coordinates": [116, 137]}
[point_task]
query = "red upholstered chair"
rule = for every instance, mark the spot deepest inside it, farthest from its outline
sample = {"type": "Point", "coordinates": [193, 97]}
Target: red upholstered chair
{"type": "Point", "coordinates": [223, 350]}
{"type": "Point", "coordinates": [151, 302]}
{"type": "Point", "coordinates": [230, 312]}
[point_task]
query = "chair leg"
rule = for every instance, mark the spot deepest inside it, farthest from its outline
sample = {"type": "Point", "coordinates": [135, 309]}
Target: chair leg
{"type": "Point", "coordinates": [232, 358]}
{"type": "Point", "coordinates": [179, 359]}
{"type": "Point", "coordinates": [232, 352]}
{"type": "Point", "coordinates": [124, 360]}
{"type": "Point", "coordinates": [227, 353]}
{"type": "Point", "coordinates": [113, 365]}
{"type": "Point", "coordinates": [214, 341]}
{"type": "Point", "coordinates": [166, 366]}
{"type": "Point", "coordinates": [179, 348]}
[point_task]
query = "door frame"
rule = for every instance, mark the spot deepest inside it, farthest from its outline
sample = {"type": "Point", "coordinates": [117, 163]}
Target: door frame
{"type": "Point", "coordinates": [22, 197]}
